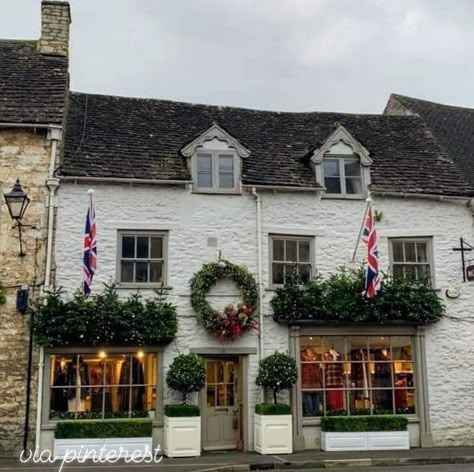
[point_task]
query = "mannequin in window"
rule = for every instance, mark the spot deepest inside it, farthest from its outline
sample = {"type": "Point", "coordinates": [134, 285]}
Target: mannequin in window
{"type": "Point", "coordinates": [383, 379]}
{"type": "Point", "coordinates": [59, 396]}
{"type": "Point", "coordinates": [77, 374]}
{"type": "Point", "coordinates": [310, 379]}
{"type": "Point", "coordinates": [97, 387]}
{"type": "Point", "coordinates": [401, 398]}
{"type": "Point", "coordinates": [334, 375]}
{"type": "Point", "coordinates": [135, 377]}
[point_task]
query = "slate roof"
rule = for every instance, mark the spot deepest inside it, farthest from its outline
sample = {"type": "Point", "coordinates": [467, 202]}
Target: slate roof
{"type": "Point", "coordinates": [33, 86]}
{"type": "Point", "coordinates": [453, 126]}
{"type": "Point", "coordinates": [122, 137]}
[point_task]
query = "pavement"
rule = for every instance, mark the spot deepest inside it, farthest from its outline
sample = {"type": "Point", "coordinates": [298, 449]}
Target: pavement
{"type": "Point", "coordinates": [249, 461]}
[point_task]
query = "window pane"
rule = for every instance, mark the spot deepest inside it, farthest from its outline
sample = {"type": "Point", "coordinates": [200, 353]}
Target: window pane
{"type": "Point", "coordinates": [314, 343]}
{"type": "Point", "coordinates": [405, 402]}
{"type": "Point", "coordinates": [382, 401]}
{"type": "Point", "coordinates": [381, 375]}
{"type": "Point", "coordinates": [401, 348]}
{"type": "Point", "coordinates": [379, 348]}
{"type": "Point", "coordinates": [303, 251]}
{"type": "Point", "coordinates": [156, 247]}
{"type": "Point", "coordinates": [421, 252]}
{"type": "Point", "coordinates": [211, 396]}
{"type": "Point", "coordinates": [210, 372]}
{"type": "Point", "coordinates": [221, 395]}
{"type": "Point", "coordinates": [359, 402]}
{"type": "Point", "coordinates": [156, 272]}
{"type": "Point", "coordinates": [226, 163]}
{"type": "Point", "coordinates": [141, 272]}
{"type": "Point", "coordinates": [305, 272]}
{"type": "Point", "coordinates": [226, 180]}
{"type": "Point", "coordinates": [278, 273]}
{"type": "Point", "coordinates": [128, 246]}
{"type": "Point", "coordinates": [410, 255]}
{"type": "Point", "coordinates": [204, 180]}
{"type": "Point", "coordinates": [335, 403]}
{"type": "Point", "coordinates": [278, 250]}
{"type": "Point", "coordinates": [313, 403]}
{"type": "Point", "coordinates": [332, 184]}
{"type": "Point", "coordinates": [126, 274]}
{"type": "Point", "coordinates": [398, 270]}
{"type": "Point", "coordinates": [142, 247]}
{"type": "Point", "coordinates": [291, 250]}
{"type": "Point", "coordinates": [397, 251]}
{"type": "Point", "coordinates": [331, 168]}
{"type": "Point", "coordinates": [354, 185]}
{"type": "Point", "coordinates": [424, 272]}
{"type": "Point", "coordinates": [352, 168]}
{"type": "Point", "coordinates": [357, 348]}
{"type": "Point", "coordinates": [204, 162]}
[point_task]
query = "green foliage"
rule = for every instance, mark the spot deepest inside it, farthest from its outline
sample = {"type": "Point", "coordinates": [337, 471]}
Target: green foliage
{"type": "Point", "coordinates": [186, 374]}
{"type": "Point", "coordinates": [181, 411]}
{"type": "Point", "coordinates": [3, 298]}
{"type": "Point", "coordinates": [340, 298]}
{"type": "Point", "coordinates": [338, 424]}
{"type": "Point", "coordinates": [104, 319]}
{"type": "Point", "coordinates": [212, 319]}
{"type": "Point", "coordinates": [103, 429]}
{"type": "Point", "coordinates": [277, 372]}
{"type": "Point", "coordinates": [272, 409]}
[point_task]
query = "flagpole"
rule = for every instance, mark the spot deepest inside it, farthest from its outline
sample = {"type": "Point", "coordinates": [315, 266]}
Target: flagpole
{"type": "Point", "coordinates": [369, 201]}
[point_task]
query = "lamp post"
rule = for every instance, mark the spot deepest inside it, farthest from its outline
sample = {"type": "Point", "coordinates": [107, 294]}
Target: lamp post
{"type": "Point", "coordinates": [17, 202]}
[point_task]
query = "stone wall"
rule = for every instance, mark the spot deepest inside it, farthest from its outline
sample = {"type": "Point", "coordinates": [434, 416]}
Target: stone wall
{"type": "Point", "coordinates": [23, 154]}
{"type": "Point", "coordinates": [55, 20]}
{"type": "Point", "coordinates": [193, 218]}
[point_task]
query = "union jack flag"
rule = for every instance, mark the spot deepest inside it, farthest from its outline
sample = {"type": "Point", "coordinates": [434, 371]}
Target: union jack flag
{"type": "Point", "coordinates": [369, 236]}
{"type": "Point", "coordinates": [90, 250]}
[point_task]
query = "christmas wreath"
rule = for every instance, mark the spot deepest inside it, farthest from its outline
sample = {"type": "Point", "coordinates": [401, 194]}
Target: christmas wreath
{"type": "Point", "coordinates": [230, 322]}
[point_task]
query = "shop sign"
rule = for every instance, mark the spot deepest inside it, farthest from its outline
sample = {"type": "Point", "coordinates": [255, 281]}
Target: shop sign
{"type": "Point", "coordinates": [470, 273]}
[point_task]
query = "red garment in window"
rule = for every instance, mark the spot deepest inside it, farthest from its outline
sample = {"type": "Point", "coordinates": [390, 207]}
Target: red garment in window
{"type": "Point", "coordinates": [335, 399]}
{"type": "Point", "coordinates": [310, 376]}
{"type": "Point", "coordinates": [401, 398]}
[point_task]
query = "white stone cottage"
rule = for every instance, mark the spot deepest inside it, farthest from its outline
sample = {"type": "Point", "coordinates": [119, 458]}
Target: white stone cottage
{"type": "Point", "coordinates": [176, 185]}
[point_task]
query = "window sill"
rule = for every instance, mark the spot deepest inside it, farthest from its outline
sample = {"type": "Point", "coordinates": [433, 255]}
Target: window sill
{"type": "Point", "coordinates": [217, 192]}
{"type": "Point", "coordinates": [126, 286]}
{"type": "Point", "coordinates": [330, 196]}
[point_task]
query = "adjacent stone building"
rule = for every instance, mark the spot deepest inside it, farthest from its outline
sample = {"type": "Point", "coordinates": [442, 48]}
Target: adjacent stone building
{"type": "Point", "coordinates": [33, 92]}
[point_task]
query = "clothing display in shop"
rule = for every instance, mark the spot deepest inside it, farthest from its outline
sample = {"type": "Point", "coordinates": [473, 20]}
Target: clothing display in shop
{"type": "Point", "coordinates": [97, 380]}
{"type": "Point", "coordinates": [131, 373]}
{"type": "Point", "coordinates": [359, 379]}
{"type": "Point", "coordinates": [59, 396]}
{"type": "Point", "coordinates": [383, 379]}
{"type": "Point", "coordinates": [334, 376]}
{"type": "Point", "coordinates": [310, 379]}
{"type": "Point", "coordinates": [401, 397]}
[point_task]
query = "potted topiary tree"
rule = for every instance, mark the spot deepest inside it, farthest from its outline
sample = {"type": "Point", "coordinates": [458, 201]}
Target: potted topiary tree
{"type": "Point", "coordinates": [182, 428]}
{"type": "Point", "coordinates": [273, 422]}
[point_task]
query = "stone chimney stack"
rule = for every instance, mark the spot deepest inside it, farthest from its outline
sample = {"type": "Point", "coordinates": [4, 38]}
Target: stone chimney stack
{"type": "Point", "coordinates": [55, 21]}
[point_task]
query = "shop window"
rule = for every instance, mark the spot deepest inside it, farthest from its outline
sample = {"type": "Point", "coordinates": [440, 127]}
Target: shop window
{"type": "Point", "coordinates": [288, 253]}
{"type": "Point", "coordinates": [357, 375]}
{"type": "Point", "coordinates": [142, 258]}
{"type": "Point", "coordinates": [101, 385]}
{"type": "Point", "coordinates": [411, 258]}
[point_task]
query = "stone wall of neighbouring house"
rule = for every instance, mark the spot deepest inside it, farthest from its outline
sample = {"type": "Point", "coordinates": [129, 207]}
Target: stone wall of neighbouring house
{"type": "Point", "coordinates": [24, 154]}
{"type": "Point", "coordinates": [193, 218]}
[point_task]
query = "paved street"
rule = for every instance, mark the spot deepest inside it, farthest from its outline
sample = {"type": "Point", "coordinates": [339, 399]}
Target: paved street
{"type": "Point", "coordinates": [419, 468]}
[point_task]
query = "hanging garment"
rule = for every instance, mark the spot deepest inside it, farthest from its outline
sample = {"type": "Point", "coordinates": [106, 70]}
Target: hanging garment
{"type": "Point", "coordinates": [72, 369]}
{"type": "Point", "coordinates": [134, 377]}
{"type": "Point", "coordinates": [59, 396]}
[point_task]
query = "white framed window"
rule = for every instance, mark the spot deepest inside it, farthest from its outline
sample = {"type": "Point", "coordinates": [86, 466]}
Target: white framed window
{"type": "Point", "coordinates": [142, 258]}
{"type": "Point", "coordinates": [412, 258]}
{"type": "Point", "coordinates": [216, 171]}
{"type": "Point", "coordinates": [342, 175]}
{"type": "Point", "coordinates": [288, 252]}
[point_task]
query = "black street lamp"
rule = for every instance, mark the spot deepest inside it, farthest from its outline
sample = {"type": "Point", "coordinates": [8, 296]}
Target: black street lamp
{"type": "Point", "coordinates": [17, 202]}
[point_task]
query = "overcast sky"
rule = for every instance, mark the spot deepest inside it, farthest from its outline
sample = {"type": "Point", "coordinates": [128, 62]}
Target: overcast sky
{"type": "Point", "coordinates": [292, 55]}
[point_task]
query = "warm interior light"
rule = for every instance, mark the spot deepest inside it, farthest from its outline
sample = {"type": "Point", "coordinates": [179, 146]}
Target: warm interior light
{"type": "Point", "coordinates": [102, 354]}
{"type": "Point", "coordinates": [140, 354]}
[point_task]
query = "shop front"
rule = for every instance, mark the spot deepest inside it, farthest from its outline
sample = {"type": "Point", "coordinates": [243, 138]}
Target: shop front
{"type": "Point", "coordinates": [359, 371]}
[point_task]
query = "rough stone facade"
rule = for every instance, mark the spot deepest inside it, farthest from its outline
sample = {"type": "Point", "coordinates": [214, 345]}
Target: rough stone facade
{"type": "Point", "coordinates": [193, 218]}
{"type": "Point", "coordinates": [24, 154]}
{"type": "Point", "coordinates": [55, 20]}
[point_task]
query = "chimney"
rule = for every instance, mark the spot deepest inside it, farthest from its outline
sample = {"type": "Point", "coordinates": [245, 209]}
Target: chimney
{"type": "Point", "coordinates": [55, 21]}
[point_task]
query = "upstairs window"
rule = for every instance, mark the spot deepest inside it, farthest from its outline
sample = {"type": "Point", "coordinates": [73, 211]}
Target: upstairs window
{"type": "Point", "coordinates": [411, 258]}
{"type": "Point", "coordinates": [216, 170]}
{"type": "Point", "coordinates": [342, 176]}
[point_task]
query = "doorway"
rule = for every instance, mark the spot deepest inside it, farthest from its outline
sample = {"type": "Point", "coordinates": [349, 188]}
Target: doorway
{"type": "Point", "coordinates": [222, 403]}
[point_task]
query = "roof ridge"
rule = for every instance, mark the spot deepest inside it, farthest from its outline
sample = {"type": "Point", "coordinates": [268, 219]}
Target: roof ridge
{"type": "Point", "coordinates": [421, 100]}
{"type": "Point", "coordinates": [228, 107]}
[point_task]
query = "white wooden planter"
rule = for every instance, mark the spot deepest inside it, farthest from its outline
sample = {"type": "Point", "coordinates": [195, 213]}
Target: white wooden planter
{"type": "Point", "coordinates": [366, 441]}
{"type": "Point", "coordinates": [273, 434]}
{"type": "Point", "coordinates": [106, 447]}
{"type": "Point", "coordinates": [182, 436]}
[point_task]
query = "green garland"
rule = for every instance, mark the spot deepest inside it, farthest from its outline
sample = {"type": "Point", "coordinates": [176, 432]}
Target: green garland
{"type": "Point", "coordinates": [3, 297]}
{"type": "Point", "coordinates": [230, 323]}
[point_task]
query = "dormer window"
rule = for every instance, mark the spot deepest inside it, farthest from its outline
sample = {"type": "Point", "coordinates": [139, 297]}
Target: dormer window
{"type": "Point", "coordinates": [342, 166]}
{"type": "Point", "coordinates": [215, 161]}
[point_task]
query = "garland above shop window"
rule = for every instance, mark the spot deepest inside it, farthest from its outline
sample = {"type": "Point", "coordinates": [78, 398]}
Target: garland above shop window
{"type": "Point", "coordinates": [104, 319]}
{"type": "Point", "coordinates": [230, 322]}
{"type": "Point", "coordinates": [339, 299]}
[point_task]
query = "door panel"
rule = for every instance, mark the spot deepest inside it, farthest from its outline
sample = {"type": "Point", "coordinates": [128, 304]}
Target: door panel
{"type": "Point", "coordinates": [221, 404]}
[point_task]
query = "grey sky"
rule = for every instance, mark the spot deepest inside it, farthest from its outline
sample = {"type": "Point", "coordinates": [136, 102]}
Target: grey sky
{"type": "Point", "coordinates": [292, 55]}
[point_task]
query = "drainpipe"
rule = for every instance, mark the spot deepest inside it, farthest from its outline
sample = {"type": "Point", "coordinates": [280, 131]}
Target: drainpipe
{"type": "Point", "coordinates": [258, 202]}
{"type": "Point", "coordinates": [54, 134]}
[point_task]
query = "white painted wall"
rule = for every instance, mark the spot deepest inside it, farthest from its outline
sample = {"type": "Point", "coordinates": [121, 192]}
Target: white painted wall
{"type": "Point", "coordinates": [192, 218]}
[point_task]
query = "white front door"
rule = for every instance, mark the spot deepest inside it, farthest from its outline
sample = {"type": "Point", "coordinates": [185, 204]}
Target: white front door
{"type": "Point", "coordinates": [220, 405]}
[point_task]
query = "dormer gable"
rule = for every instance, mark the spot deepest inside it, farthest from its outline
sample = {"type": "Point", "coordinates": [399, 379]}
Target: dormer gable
{"type": "Point", "coordinates": [341, 165]}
